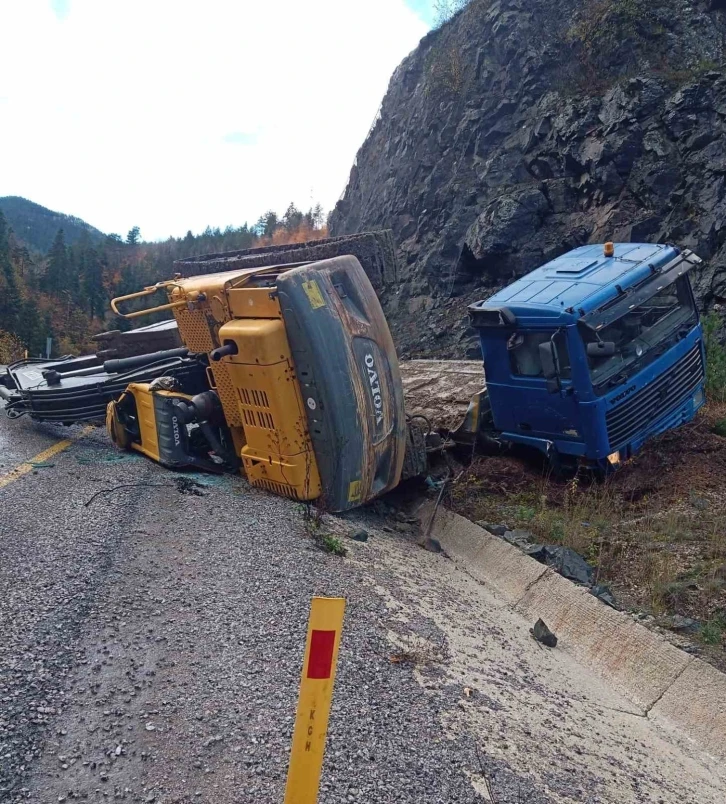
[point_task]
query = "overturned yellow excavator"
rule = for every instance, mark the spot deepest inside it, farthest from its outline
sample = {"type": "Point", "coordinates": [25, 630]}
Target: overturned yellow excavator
{"type": "Point", "coordinates": [304, 390]}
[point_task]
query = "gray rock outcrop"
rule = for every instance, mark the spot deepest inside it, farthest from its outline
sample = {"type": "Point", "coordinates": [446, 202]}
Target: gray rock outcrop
{"type": "Point", "coordinates": [522, 129]}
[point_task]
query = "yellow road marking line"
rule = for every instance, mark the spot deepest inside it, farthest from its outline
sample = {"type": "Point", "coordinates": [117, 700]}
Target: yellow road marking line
{"type": "Point", "coordinates": [41, 457]}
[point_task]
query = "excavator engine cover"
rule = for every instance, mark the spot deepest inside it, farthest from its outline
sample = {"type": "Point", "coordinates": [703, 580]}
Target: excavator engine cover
{"type": "Point", "coordinates": [347, 369]}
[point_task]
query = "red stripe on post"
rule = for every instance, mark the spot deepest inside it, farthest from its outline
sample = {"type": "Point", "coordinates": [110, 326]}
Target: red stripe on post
{"type": "Point", "coordinates": [320, 663]}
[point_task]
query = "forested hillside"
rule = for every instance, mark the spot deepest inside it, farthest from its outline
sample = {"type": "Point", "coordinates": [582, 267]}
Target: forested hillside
{"type": "Point", "coordinates": [64, 293]}
{"type": "Point", "coordinates": [36, 226]}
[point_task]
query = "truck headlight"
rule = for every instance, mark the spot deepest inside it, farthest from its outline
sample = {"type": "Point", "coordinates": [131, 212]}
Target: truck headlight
{"type": "Point", "coordinates": [698, 398]}
{"type": "Point", "coordinates": [614, 458]}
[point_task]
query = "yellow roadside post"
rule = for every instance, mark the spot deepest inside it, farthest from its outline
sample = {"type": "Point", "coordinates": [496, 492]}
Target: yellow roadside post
{"type": "Point", "coordinates": [316, 694]}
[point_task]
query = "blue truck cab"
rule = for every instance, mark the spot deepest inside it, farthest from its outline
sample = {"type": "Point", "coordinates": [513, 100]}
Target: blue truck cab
{"type": "Point", "coordinates": [592, 354]}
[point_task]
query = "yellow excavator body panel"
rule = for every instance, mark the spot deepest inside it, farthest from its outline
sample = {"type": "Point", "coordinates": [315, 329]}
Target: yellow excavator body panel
{"type": "Point", "coordinates": [149, 442]}
{"type": "Point", "coordinates": [257, 385]}
{"type": "Point", "coordinates": [278, 454]}
{"type": "Point", "coordinates": [303, 365]}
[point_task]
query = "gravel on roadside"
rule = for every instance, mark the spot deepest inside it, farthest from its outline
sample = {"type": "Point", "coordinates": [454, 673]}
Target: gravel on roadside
{"type": "Point", "coordinates": [151, 646]}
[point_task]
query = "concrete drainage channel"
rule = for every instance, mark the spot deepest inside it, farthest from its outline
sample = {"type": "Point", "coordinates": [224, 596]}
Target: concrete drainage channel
{"type": "Point", "coordinates": [667, 685]}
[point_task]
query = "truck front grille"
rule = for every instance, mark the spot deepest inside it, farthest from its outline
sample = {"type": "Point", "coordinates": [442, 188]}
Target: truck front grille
{"type": "Point", "coordinates": [655, 400]}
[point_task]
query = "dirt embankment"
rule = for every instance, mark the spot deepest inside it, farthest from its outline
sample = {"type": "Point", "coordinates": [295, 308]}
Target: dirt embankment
{"type": "Point", "coordinates": [654, 531]}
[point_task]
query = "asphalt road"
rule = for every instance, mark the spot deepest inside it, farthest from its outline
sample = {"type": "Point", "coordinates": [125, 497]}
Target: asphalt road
{"type": "Point", "coordinates": [22, 440]}
{"type": "Point", "coordinates": [151, 641]}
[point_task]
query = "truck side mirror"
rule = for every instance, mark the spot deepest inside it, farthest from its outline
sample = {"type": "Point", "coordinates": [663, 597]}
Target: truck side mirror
{"type": "Point", "coordinates": [601, 349]}
{"type": "Point", "coordinates": [548, 358]}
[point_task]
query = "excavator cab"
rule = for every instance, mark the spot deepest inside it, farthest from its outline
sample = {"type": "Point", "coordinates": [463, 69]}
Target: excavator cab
{"type": "Point", "coordinates": [174, 429]}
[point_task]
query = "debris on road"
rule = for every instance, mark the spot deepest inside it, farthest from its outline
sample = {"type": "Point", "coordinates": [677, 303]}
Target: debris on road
{"type": "Point", "coordinates": [564, 560]}
{"type": "Point", "coordinates": [432, 545]}
{"type": "Point", "coordinates": [183, 485]}
{"type": "Point", "coordinates": [603, 592]}
{"type": "Point", "coordinates": [124, 486]}
{"type": "Point", "coordinates": [543, 634]}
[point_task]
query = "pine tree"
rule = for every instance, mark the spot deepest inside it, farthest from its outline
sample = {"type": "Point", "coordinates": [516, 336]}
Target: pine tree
{"type": "Point", "coordinates": [267, 224]}
{"type": "Point", "coordinates": [5, 264]}
{"type": "Point", "coordinates": [92, 289]}
{"type": "Point", "coordinates": [56, 274]}
{"type": "Point", "coordinates": [10, 299]}
{"type": "Point", "coordinates": [31, 330]}
{"type": "Point", "coordinates": [22, 261]}
{"type": "Point", "coordinates": [318, 216]}
{"type": "Point", "coordinates": [73, 271]}
{"type": "Point", "coordinates": [293, 218]}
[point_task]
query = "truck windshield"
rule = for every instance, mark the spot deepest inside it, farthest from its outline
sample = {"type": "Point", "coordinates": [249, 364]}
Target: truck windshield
{"type": "Point", "coordinates": [642, 333]}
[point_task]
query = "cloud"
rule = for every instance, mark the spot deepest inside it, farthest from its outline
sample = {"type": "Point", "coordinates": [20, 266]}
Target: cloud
{"type": "Point", "coordinates": [61, 8]}
{"type": "Point", "coordinates": [123, 113]}
{"type": "Point", "coordinates": [424, 9]}
{"type": "Point", "coordinates": [240, 138]}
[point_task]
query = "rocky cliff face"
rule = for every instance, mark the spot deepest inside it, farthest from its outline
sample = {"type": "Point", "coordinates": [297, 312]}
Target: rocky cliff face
{"type": "Point", "coordinates": [522, 129]}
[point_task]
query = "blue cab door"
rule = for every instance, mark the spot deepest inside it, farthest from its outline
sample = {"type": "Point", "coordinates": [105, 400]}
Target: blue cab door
{"type": "Point", "coordinates": [523, 406]}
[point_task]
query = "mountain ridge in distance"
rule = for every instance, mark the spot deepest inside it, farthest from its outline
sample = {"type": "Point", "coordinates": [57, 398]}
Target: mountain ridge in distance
{"type": "Point", "coordinates": [37, 226]}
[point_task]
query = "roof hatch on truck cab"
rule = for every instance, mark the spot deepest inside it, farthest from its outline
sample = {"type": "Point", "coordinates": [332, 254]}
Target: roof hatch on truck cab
{"type": "Point", "coordinates": [597, 265]}
{"type": "Point", "coordinates": [576, 267]}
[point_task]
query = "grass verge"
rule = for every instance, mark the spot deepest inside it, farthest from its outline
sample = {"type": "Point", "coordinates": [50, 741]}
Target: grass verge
{"type": "Point", "coordinates": [655, 531]}
{"type": "Point", "coordinates": [313, 519]}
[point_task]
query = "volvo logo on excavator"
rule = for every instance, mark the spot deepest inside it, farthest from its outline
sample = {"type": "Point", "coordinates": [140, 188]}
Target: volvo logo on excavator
{"type": "Point", "coordinates": [375, 383]}
{"type": "Point", "coordinates": [175, 427]}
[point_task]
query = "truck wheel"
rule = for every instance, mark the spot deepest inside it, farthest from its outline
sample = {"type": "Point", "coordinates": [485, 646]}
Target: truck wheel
{"type": "Point", "coordinates": [562, 467]}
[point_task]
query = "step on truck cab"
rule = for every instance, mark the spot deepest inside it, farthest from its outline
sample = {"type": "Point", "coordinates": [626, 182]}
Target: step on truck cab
{"type": "Point", "coordinates": [589, 356]}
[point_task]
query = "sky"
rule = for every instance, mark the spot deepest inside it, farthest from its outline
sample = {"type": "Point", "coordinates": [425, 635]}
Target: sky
{"type": "Point", "coordinates": [177, 114]}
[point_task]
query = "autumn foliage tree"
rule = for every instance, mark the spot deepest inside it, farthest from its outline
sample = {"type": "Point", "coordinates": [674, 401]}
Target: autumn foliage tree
{"type": "Point", "coordinates": [20, 322]}
{"type": "Point", "coordinates": [65, 294]}
{"type": "Point", "coordinates": [11, 348]}
{"type": "Point", "coordinates": [295, 226]}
